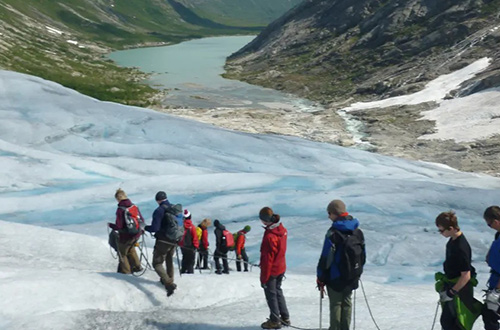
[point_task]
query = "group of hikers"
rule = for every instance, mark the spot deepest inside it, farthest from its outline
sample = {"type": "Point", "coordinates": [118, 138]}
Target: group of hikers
{"type": "Point", "coordinates": [338, 271]}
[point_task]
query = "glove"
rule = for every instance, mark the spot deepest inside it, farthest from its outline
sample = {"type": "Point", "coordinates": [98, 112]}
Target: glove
{"type": "Point", "coordinates": [492, 300]}
{"type": "Point", "coordinates": [445, 296]}
{"type": "Point", "coordinates": [112, 225]}
{"type": "Point", "coordinates": [238, 257]}
{"type": "Point", "coordinates": [263, 285]}
{"type": "Point", "coordinates": [320, 285]}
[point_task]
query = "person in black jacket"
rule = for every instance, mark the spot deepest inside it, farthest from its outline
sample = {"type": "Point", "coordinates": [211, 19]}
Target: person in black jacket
{"type": "Point", "coordinates": [220, 249]}
{"type": "Point", "coordinates": [458, 270]}
{"type": "Point", "coordinates": [167, 233]}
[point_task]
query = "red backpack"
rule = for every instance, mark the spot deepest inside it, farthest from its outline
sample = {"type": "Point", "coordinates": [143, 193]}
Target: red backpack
{"type": "Point", "coordinates": [228, 238]}
{"type": "Point", "coordinates": [132, 220]}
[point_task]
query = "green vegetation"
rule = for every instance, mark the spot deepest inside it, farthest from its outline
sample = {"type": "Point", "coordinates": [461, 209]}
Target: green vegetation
{"type": "Point", "coordinates": [65, 41]}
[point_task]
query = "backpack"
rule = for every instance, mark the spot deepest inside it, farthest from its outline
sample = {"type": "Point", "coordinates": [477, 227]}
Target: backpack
{"type": "Point", "coordinates": [188, 239]}
{"type": "Point", "coordinates": [132, 220]}
{"type": "Point", "coordinates": [169, 225]}
{"type": "Point", "coordinates": [235, 239]}
{"type": "Point", "coordinates": [227, 239]}
{"type": "Point", "coordinates": [352, 255]}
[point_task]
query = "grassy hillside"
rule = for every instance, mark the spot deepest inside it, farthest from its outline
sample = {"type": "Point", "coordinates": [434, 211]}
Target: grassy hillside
{"type": "Point", "coordinates": [240, 12]}
{"type": "Point", "coordinates": [65, 41]}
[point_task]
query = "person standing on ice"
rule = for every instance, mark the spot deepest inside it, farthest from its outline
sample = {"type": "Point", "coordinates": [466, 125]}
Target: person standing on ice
{"type": "Point", "coordinates": [220, 249]}
{"type": "Point", "coordinates": [341, 263]}
{"type": "Point", "coordinates": [167, 233]}
{"type": "Point", "coordinates": [201, 230]}
{"type": "Point", "coordinates": [241, 254]}
{"type": "Point", "coordinates": [455, 286]}
{"type": "Point", "coordinates": [491, 307]}
{"type": "Point", "coordinates": [189, 244]}
{"type": "Point", "coordinates": [273, 267]}
{"type": "Point", "coordinates": [128, 260]}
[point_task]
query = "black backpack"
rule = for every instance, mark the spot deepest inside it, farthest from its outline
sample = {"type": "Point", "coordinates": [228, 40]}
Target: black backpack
{"type": "Point", "coordinates": [188, 239]}
{"type": "Point", "coordinates": [352, 255]}
{"type": "Point", "coordinates": [169, 226]}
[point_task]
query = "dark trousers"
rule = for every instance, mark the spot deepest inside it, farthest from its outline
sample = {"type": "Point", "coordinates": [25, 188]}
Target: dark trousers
{"type": "Point", "coordinates": [449, 320]}
{"type": "Point", "coordinates": [163, 254]}
{"type": "Point", "coordinates": [244, 257]}
{"type": "Point", "coordinates": [275, 299]}
{"type": "Point", "coordinates": [218, 255]}
{"type": "Point", "coordinates": [202, 261]}
{"type": "Point", "coordinates": [188, 255]}
{"type": "Point", "coordinates": [490, 319]}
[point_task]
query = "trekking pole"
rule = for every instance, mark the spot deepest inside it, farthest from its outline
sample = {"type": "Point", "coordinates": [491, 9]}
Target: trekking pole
{"type": "Point", "coordinates": [178, 262]}
{"type": "Point", "coordinates": [435, 315]}
{"type": "Point", "coordinates": [199, 260]}
{"type": "Point", "coordinates": [354, 311]}
{"type": "Point", "coordinates": [320, 309]}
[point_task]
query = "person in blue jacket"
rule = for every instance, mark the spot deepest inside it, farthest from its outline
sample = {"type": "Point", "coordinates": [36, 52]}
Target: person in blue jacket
{"type": "Point", "coordinates": [333, 271]}
{"type": "Point", "coordinates": [491, 306]}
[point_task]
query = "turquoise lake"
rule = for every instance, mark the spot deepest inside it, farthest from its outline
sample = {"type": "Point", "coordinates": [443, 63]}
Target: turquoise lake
{"type": "Point", "coordinates": [191, 74]}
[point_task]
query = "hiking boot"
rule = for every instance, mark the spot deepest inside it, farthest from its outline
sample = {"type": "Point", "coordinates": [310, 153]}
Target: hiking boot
{"type": "Point", "coordinates": [137, 269]}
{"type": "Point", "coordinates": [225, 272]}
{"type": "Point", "coordinates": [270, 324]}
{"type": "Point", "coordinates": [218, 272]}
{"type": "Point", "coordinates": [286, 321]}
{"type": "Point", "coordinates": [170, 289]}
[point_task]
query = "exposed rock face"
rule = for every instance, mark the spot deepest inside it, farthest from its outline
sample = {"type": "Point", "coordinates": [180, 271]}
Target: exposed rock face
{"type": "Point", "coordinates": [341, 51]}
{"type": "Point", "coordinates": [371, 49]}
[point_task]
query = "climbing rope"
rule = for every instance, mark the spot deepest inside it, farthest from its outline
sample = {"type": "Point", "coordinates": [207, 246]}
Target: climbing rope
{"type": "Point", "coordinates": [368, 305]}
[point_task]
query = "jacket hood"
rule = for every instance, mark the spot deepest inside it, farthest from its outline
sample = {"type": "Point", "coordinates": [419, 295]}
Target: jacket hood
{"type": "Point", "coordinates": [188, 223]}
{"type": "Point", "coordinates": [276, 229]}
{"type": "Point", "coordinates": [346, 224]}
{"type": "Point", "coordinates": [125, 203]}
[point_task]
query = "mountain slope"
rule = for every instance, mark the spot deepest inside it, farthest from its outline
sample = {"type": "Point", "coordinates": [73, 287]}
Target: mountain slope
{"type": "Point", "coordinates": [240, 12]}
{"type": "Point", "coordinates": [332, 50]}
{"type": "Point", "coordinates": [65, 41]}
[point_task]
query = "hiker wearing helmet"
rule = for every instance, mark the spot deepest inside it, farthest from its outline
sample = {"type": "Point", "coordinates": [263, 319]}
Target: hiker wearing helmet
{"type": "Point", "coordinates": [455, 286]}
{"type": "Point", "coordinates": [491, 307]}
{"type": "Point", "coordinates": [341, 263]}
{"type": "Point", "coordinates": [273, 267]}
{"type": "Point", "coordinates": [128, 260]}
{"type": "Point", "coordinates": [202, 232]}
{"type": "Point", "coordinates": [167, 233]}
{"type": "Point", "coordinates": [220, 248]}
{"type": "Point", "coordinates": [241, 253]}
{"type": "Point", "coordinates": [189, 244]}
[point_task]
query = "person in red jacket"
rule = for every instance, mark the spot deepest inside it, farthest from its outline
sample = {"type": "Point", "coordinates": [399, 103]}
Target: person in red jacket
{"type": "Point", "coordinates": [189, 244]}
{"type": "Point", "coordinates": [241, 253]}
{"type": "Point", "coordinates": [128, 260]}
{"type": "Point", "coordinates": [273, 267]}
{"type": "Point", "coordinates": [202, 232]}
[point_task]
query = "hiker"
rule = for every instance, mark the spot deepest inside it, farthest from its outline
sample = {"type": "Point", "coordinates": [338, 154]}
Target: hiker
{"type": "Point", "coordinates": [220, 249]}
{"type": "Point", "coordinates": [189, 244]}
{"type": "Point", "coordinates": [273, 267]}
{"type": "Point", "coordinates": [202, 233]}
{"type": "Point", "coordinates": [167, 233]}
{"type": "Point", "coordinates": [455, 286]}
{"type": "Point", "coordinates": [491, 307]}
{"type": "Point", "coordinates": [341, 263]}
{"type": "Point", "coordinates": [128, 260]}
{"type": "Point", "coordinates": [241, 253]}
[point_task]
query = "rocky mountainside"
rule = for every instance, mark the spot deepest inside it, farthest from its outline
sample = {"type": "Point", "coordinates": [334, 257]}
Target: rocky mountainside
{"type": "Point", "coordinates": [336, 50]}
{"type": "Point", "coordinates": [64, 41]}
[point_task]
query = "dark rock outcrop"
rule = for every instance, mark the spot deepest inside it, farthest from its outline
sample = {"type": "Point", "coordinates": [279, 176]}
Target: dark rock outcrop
{"type": "Point", "coordinates": [370, 49]}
